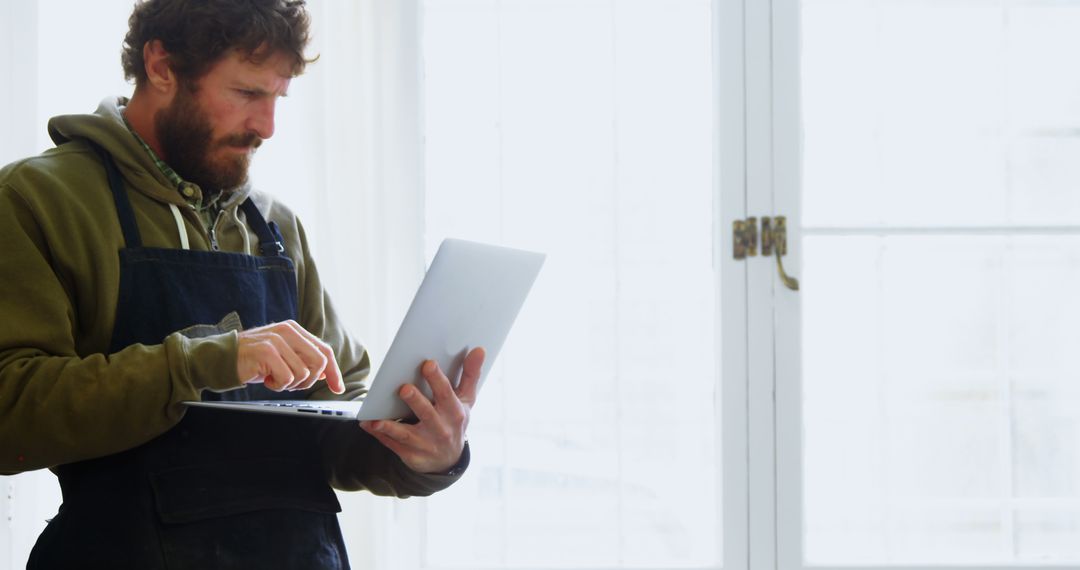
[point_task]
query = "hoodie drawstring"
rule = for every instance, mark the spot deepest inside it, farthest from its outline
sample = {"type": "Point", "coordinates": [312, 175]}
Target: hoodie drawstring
{"type": "Point", "coordinates": [180, 227]}
{"type": "Point", "coordinates": [243, 230]}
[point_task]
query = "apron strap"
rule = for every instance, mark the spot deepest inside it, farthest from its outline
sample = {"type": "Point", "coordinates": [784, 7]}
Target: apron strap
{"type": "Point", "coordinates": [270, 240]}
{"type": "Point", "coordinates": [123, 205]}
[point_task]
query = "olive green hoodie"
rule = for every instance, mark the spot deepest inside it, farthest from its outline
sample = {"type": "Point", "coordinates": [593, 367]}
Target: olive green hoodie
{"type": "Point", "coordinates": [63, 397]}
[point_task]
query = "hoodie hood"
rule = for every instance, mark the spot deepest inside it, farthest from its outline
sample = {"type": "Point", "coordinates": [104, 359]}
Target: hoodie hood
{"type": "Point", "coordinates": [106, 128]}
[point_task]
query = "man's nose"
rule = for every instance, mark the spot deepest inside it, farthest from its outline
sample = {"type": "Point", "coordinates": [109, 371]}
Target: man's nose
{"type": "Point", "coordinates": [261, 121]}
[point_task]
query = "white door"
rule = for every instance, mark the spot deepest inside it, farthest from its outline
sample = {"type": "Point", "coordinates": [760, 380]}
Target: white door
{"type": "Point", "coordinates": [926, 374]}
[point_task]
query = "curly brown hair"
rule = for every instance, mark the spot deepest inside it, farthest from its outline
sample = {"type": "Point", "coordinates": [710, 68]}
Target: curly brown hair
{"type": "Point", "coordinates": [197, 33]}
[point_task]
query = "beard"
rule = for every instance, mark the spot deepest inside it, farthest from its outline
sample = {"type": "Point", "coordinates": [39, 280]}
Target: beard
{"type": "Point", "coordinates": [187, 139]}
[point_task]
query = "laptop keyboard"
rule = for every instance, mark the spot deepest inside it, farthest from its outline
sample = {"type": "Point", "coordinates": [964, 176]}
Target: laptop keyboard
{"type": "Point", "coordinates": [304, 408]}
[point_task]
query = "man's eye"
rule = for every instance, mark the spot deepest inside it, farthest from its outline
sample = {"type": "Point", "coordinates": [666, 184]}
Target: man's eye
{"type": "Point", "coordinates": [247, 93]}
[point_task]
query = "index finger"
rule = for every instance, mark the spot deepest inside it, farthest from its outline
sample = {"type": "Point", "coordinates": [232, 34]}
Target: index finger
{"type": "Point", "coordinates": [332, 372]}
{"type": "Point", "coordinates": [470, 375]}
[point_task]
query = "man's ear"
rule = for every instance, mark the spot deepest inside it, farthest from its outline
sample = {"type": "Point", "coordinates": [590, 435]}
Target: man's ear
{"type": "Point", "coordinates": [159, 73]}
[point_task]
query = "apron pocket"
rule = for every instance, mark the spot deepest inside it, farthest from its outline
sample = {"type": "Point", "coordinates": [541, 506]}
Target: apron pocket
{"type": "Point", "coordinates": [199, 492]}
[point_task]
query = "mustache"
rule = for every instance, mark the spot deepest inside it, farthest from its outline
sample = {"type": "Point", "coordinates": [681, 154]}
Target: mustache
{"type": "Point", "coordinates": [251, 140]}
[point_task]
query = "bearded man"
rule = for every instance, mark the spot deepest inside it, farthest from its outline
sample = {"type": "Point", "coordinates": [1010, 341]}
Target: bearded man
{"type": "Point", "coordinates": [140, 270]}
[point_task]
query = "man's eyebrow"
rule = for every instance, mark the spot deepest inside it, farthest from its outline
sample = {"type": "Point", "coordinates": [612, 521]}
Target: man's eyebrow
{"type": "Point", "coordinates": [256, 90]}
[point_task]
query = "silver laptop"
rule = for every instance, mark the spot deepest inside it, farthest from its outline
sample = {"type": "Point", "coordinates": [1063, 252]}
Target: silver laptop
{"type": "Point", "coordinates": [469, 297]}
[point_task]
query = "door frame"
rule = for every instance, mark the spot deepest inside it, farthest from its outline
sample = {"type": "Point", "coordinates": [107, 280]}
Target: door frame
{"type": "Point", "coordinates": [730, 184]}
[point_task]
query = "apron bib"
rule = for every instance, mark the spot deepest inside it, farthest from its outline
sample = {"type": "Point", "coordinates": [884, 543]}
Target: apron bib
{"type": "Point", "coordinates": [219, 489]}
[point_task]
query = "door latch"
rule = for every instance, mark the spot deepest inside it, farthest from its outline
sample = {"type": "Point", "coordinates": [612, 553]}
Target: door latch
{"type": "Point", "coordinates": [773, 239]}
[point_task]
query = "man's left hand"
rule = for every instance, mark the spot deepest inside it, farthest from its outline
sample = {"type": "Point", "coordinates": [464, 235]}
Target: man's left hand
{"type": "Point", "coordinates": [434, 444]}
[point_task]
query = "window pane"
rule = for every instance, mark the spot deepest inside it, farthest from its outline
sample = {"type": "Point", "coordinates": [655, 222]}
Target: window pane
{"type": "Point", "coordinates": [939, 410]}
{"type": "Point", "coordinates": [974, 124]}
{"type": "Point", "coordinates": [583, 129]}
{"type": "Point", "coordinates": [938, 329]}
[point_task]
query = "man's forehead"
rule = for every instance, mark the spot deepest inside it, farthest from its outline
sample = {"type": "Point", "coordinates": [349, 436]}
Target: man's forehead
{"type": "Point", "coordinates": [272, 72]}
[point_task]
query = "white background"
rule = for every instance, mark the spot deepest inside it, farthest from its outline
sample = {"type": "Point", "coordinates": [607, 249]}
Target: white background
{"type": "Point", "coordinates": [660, 405]}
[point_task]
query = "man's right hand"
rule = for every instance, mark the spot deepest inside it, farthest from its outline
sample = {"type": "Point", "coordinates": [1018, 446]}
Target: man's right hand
{"type": "Point", "coordinates": [284, 356]}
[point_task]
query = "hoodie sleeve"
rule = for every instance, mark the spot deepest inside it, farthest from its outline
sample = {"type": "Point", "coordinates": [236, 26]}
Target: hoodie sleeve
{"type": "Point", "coordinates": [352, 458]}
{"type": "Point", "coordinates": [57, 404]}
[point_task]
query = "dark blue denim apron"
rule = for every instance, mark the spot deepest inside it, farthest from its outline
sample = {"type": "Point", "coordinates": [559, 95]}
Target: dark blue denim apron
{"type": "Point", "coordinates": [220, 489]}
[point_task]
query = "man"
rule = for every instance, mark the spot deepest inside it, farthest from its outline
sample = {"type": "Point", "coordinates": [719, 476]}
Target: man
{"type": "Point", "coordinates": [140, 270]}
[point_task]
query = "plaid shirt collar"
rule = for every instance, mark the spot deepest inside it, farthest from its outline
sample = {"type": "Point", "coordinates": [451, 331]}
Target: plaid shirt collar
{"type": "Point", "coordinates": [164, 168]}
